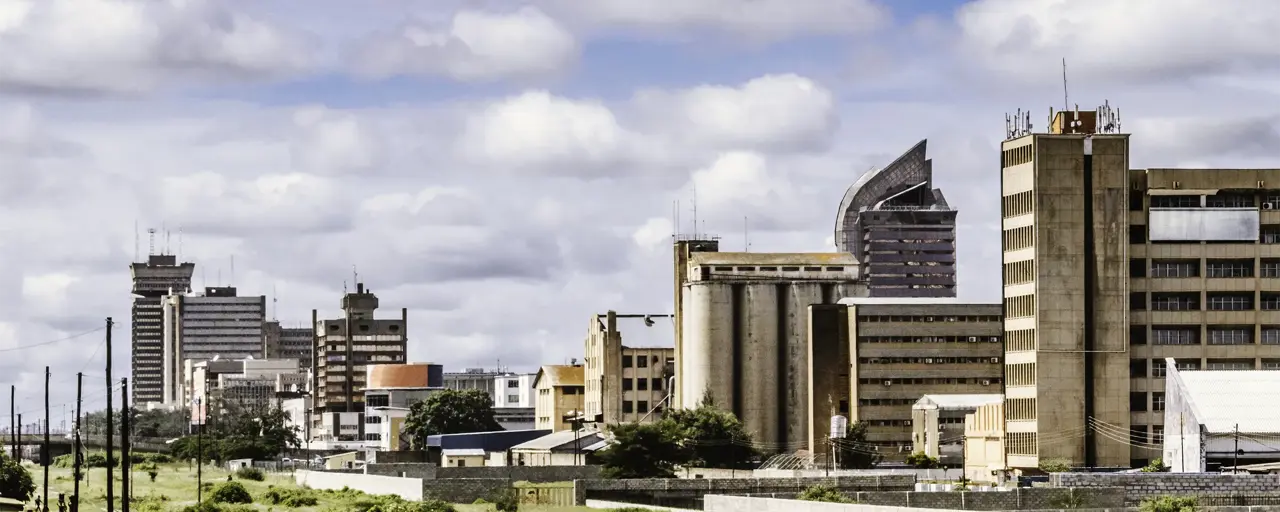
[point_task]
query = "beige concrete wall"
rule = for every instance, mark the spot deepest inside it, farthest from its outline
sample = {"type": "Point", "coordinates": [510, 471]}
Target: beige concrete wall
{"type": "Point", "coordinates": [407, 488]}
{"type": "Point", "coordinates": [984, 443]}
{"type": "Point", "coordinates": [829, 371]}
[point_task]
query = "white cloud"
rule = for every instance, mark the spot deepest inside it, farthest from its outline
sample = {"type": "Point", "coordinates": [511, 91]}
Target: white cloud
{"type": "Point", "coordinates": [47, 292]}
{"type": "Point", "coordinates": [295, 202]}
{"type": "Point", "coordinates": [477, 46]}
{"type": "Point", "coordinates": [777, 112]}
{"type": "Point", "coordinates": [756, 19]}
{"type": "Point", "coordinates": [540, 131]}
{"type": "Point", "coordinates": [654, 233]}
{"type": "Point", "coordinates": [135, 45]}
{"type": "Point", "coordinates": [1128, 39]}
{"type": "Point", "coordinates": [331, 142]}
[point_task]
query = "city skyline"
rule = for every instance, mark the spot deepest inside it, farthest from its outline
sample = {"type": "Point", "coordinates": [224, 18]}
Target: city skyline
{"type": "Point", "coordinates": [302, 160]}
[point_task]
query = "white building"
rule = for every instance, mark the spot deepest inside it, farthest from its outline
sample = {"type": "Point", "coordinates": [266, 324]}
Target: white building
{"type": "Point", "coordinates": [1214, 417]}
{"type": "Point", "coordinates": [201, 327]}
{"type": "Point", "coordinates": [513, 390]}
{"type": "Point", "coordinates": [937, 424]}
{"type": "Point", "coordinates": [382, 427]}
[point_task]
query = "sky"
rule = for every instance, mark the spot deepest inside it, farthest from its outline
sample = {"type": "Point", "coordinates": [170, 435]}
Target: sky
{"type": "Point", "coordinates": [506, 169]}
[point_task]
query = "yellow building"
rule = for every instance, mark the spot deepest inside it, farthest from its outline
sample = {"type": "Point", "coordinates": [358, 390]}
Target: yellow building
{"type": "Point", "coordinates": [560, 396]}
{"type": "Point", "coordinates": [626, 384]}
{"type": "Point", "coordinates": [984, 444]}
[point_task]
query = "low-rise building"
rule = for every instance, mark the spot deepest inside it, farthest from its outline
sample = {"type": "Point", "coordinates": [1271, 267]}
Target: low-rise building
{"type": "Point", "coordinates": [937, 425]}
{"type": "Point", "coordinates": [871, 359]}
{"type": "Point", "coordinates": [560, 396]}
{"type": "Point", "coordinates": [625, 384]}
{"type": "Point", "coordinates": [1214, 418]}
{"type": "Point", "coordinates": [383, 426]}
{"type": "Point", "coordinates": [477, 448]}
{"type": "Point", "coordinates": [402, 385]}
{"type": "Point", "coordinates": [564, 448]}
{"type": "Point", "coordinates": [252, 384]}
{"type": "Point", "coordinates": [513, 390]}
{"type": "Point", "coordinates": [984, 459]}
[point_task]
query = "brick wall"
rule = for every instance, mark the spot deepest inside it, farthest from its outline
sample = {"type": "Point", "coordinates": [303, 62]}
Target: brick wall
{"type": "Point", "coordinates": [392, 457]}
{"type": "Point", "coordinates": [409, 469]}
{"type": "Point", "coordinates": [1143, 485]}
{"type": "Point", "coordinates": [688, 493]}
{"type": "Point", "coordinates": [1016, 499]}
{"type": "Point", "coordinates": [464, 490]}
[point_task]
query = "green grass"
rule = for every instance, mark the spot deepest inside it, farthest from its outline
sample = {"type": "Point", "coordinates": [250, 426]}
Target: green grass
{"type": "Point", "coordinates": [177, 482]}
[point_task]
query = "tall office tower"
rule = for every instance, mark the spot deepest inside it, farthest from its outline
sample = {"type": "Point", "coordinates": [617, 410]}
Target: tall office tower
{"type": "Point", "coordinates": [344, 349]}
{"type": "Point", "coordinates": [288, 343]}
{"type": "Point", "coordinates": [160, 275]}
{"type": "Point", "coordinates": [1066, 283]}
{"type": "Point", "coordinates": [218, 324]}
{"type": "Point", "coordinates": [901, 229]}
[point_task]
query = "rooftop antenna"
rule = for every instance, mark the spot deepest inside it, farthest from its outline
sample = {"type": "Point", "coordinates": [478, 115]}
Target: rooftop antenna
{"type": "Point", "coordinates": [746, 238]}
{"type": "Point", "coordinates": [179, 258]}
{"type": "Point", "coordinates": [274, 306]}
{"type": "Point", "coordinates": [151, 241]}
{"type": "Point", "coordinates": [695, 209]}
{"type": "Point", "coordinates": [355, 276]}
{"type": "Point", "coordinates": [1066, 105]}
{"type": "Point", "coordinates": [677, 228]}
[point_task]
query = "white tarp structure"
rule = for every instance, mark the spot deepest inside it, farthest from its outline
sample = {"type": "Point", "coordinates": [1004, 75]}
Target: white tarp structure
{"type": "Point", "coordinates": [1209, 415]}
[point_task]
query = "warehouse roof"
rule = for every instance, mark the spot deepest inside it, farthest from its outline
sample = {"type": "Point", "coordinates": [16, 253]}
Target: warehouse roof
{"type": "Point", "coordinates": [1222, 399]}
{"type": "Point", "coordinates": [953, 402]}
{"type": "Point", "coordinates": [560, 375]}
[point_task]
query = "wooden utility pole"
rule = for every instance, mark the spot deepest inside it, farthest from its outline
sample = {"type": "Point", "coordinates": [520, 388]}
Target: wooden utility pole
{"type": "Point", "coordinates": [124, 444]}
{"type": "Point", "coordinates": [45, 456]}
{"type": "Point", "coordinates": [13, 426]}
{"type": "Point", "coordinates": [76, 450]}
{"type": "Point", "coordinates": [111, 483]}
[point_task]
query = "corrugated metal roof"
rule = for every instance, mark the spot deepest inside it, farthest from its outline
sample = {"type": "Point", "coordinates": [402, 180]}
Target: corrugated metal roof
{"type": "Point", "coordinates": [1225, 398]}
{"type": "Point", "coordinates": [491, 441]}
{"type": "Point", "coordinates": [559, 439]}
{"type": "Point", "coordinates": [560, 375]}
{"type": "Point", "coordinates": [958, 401]}
{"type": "Point", "coordinates": [463, 452]}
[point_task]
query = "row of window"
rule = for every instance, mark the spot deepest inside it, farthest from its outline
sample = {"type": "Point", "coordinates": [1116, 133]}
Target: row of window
{"type": "Point", "coordinates": [1213, 301]}
{"type": "Point", "coordinates": [1267, 234]}
{"type": "Point", "coordinates": [1020, 409]}
{"type": "Point", "coordinates": [929, 360]}
{"type": "Point", "coordinates": [1021, 374]}
{"type": "Point", "coordinates": [777, 269]}
{"type": "Point", "coordinates": [1138, 434]}
{"type": "Point", "coordinates": [1138, 367]}
{"type": "Point", "coordinates": [1016, 156]}
{"type": "Point", "coordinates": [1247, 199]}
{"type": "Point", "coordinates": [1017, 204]}
{"type": "Point", "coordinates": [1018, 238]}
{"type": "Point", "coordinates": [928, 339]}
{"type": "Point", "coordinates": [1216, 334]}
{"type": "Point", "coordinates": [641, 384]}
{"type": "Point", "coordinates": [1138, 401]}
{"type": "Point", "coordinates": [1020, 306]}
{"type": "Point", "coordinates": [987, 381]}
{"type": "Point", "coordinates": [642, 406]}
{"type": "Point", "coordinates": [1020, 340]}
{"type": "Point", "coordinates": [1016, 272]}
{"type": "Point", "coordinates": [643, 361]}
{"type": "Point", "coordinates": [928, 319]}
{"type": "Point", "coordinates": [1020, 443]}
{"type": "Point", "coordinates": [1215, 268]}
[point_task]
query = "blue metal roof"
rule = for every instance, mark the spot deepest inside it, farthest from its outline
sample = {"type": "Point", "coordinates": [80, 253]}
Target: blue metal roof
{"type": "Point", "coordinates": [489, 441]}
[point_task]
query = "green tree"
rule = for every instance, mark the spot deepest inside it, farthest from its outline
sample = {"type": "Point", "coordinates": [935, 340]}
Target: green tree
{"type": "Point", "coordinates": [853, 452]}
{"type": "Point", "coordinates": [1055, 465]}
{"type": "Point", "coordinates": [716, 437]}
{"type": "Point", "coordinates": [450, 412]}
{"type": "Point", "coordinates": [161, 423]}
{"type": "Point", "coordinates": [643, 450]}
{"type": "Point", "coordinates": [920, 460]}
{"type": "Point", "coordinates": [1155, 466]}
{"type": "Point", "coordinates": [15, 481]}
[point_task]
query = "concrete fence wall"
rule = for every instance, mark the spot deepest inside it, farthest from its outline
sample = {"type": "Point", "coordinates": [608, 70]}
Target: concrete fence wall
{"type": "Point", "coordinates": [464, 490]}
{"type": "Point", "coordinates": [407, 488]}
{"type": "Point", "coordinates": [688, 493]}
{"type": "Point", "coordinates": [1143, 485]}
{"type": "Point", "coordinates": [1014, 499]}
{"type": "Point", "coordinates": [718, 503]}
{"type": "Point", "coordinates": [536, 474]}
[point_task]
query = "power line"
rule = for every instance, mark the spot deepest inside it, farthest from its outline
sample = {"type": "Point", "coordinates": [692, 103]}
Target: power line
{"type": "Point", "coordinates": [50, 342]}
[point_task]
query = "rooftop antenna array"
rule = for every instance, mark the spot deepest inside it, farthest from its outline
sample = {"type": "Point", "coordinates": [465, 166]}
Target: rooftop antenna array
{"type": "Point", "coordinates": [1017, 125]}
{"type": "Point", "coordinates": [1108, 118]}
{"type": "Point", "coordinates": [179, 244]}
{"type": "Point", "coordinates": [232, 281]}
{"type": "Point", "coordinates": [695, 210]}
{"type": "Point", "coordinates": [274, 306]}
{"type": "Point", "coordinates": [355, 276]}
{"type": "Point", "coordinates": [151, 241]}
{"type": "Point", "coordinates": [1065, 104]}
{"type": "Point", "coordinates": [746, 236]}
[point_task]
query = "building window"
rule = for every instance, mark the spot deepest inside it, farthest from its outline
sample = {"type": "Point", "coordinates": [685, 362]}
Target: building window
{"type": "Point", "coordinates": [1230, 335]}
{"type": "Point", "coordinates": [513, 383]}
{"type": "Point", "coordinates": [642, 362]}
{"type": "Point", "coordinates": [377, 401]}
{"type": "Point", "coordinates": [1159, 369]}
{"type": "Point", "coordinates": [1137, 267]}
{"type": "Point", "coordinates": [626, 361]}
{"type": "Point", "coordinates": [1271, 234]}
{"type": "Point", "coordinates": [1175, 335]}
{"type": "Point", "coordinates": [1018, 238]}
{"type": "Point", "coordinates": [1175, 201]}
{"type": "Point", "coordinates": [1270, 268]}
{"type": "Point", "coordinates": [1138, 402]}
{"type": "Point", "coordinates": [1229, 268]}
{"type": "Point", "coordinates": [1138, 368]}
{"type": "Point", "coordinates": [657, 384]}
{"type": "Point", "coordinates": [1229, 364]}
{"type": "Point", "coordinates": [642, 406]}
{"type": "Point", "coordinates": [1137, 234]}
{"type": "Point", "coordinates": [1137, 335]}
{"type": "Point", "coordinates": [642, 384]}
{"type": "Point", "coordinates": [1271, 364]}
{"type": "Point", "coordinates": [1229, 200]}
{"type": "Point", "coordinates": [1230, 301]}
{"type": "Point", "coordinates": [1175, 268]}
{"type": "Point", "coordinates": [1270, 301]}
{"type": "Point", "coordinates": [511, 399]}
{"type": "Point", "coordinates": [1157, 401]}
{"type": "Point", "coordinates": [627, 407]}
{"type": "Point", "coordinates": [1138, 301]}
{"type": "Point", "coordinates": [626, 384]}
{"type": "Point", "coordinates": [1270, 335]}
{"type": "Point", "coordinates": [1175, 301]}
{"type": "Point", "coordinates": [1138, 434]}
{"type": "Point", "coordinates": [1157, 434]}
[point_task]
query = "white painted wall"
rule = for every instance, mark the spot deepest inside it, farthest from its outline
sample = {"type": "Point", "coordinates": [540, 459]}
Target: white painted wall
{"type": "Point", "coordinates": [717, 503]}
{"type": "Point", "coordinates": [407, 488]}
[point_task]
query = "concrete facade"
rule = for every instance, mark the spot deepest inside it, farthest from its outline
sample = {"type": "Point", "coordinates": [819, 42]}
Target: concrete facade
{"type": "Point", "coordinates": [382, 428]}
{"type": "Point", "coordinates": [160, 275]}
{"type": "Point", "coordinates": [901, 229]}
{"type": "Point", "coordinates": [513, 390]}
{"type": "Point", "coordinates": [561, 397]}
{"type": "Point", "coordinates": [872, 359]}
{"type": "Point", "coordinates": [984, 444]}
{"type": "Point", "coordinates": [624, 384]}
{"type": "Point", "coordinates": [742, 333]}
{"type": "Point", "coordinates": [344, 349]}
{"type": "Point", "coordinates": [289, 343]}
{"type": "Point", "coordinates": [1143, 265]}
{"type": "Point", "coordinates": [938, 424]}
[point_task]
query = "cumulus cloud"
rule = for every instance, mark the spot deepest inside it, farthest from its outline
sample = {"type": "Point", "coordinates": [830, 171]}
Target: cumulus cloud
{"type": "Point", "coordinates": [476, 46]}
{"type": "Point", "coordinates": [755, 19]}
{"type": "Point", "coordinates": [774, 112]}
{"type": "Point", "coordinates": [539, 131]}
{"type": "Point", "coordinates": [329, 142]}
{"type": "Point", "coordinates": [1135, 39]}
{"type": "Point", "coordinates": [135, 45]}
{"type": "Point", "coordinates": [281, 203]}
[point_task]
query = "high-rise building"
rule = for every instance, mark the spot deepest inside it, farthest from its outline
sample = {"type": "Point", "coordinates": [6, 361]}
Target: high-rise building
{"type": "Point", "coordinates": [218, 324]}
{"type": "Point", "coordinates": [345, 347]}
{"type": "Point", "coordinates": [288, 343]}
{"type": "Point", "coordinates": [625, 384]}
{"type": "Point", "coordinates": [900, 229]}
{"type": "Point", "coordinates": [160, 275]}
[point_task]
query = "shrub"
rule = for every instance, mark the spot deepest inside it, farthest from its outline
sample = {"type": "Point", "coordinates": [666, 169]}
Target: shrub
{"type": "Point", "coordinates": [292, 498]}
{"type": "Point", "coordinates": [250, 473]}
{"type": "Point", "coordinates": [1156, 466]}
{"type": "Point", "coordinates": [1169, 504]}
{"type": "Point", "coordinates": [506, 500]}
{"type": "Point", "coordinates": [230, 492]}
{"type": "Point", "coordinates": [922, 460]}
{"type": "Point", "coordinates": [1055, 465]}
{"type": "Point", "coordinates": [158, 458]}
{"type": "Point", "coordinates": [823, 493]}
{"type": "Point", "coordinates": [15, 480]}
{"type": "Point", "coordinates": [202, 507]}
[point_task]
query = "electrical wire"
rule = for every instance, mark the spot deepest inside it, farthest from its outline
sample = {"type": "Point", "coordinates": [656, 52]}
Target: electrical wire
{"type": "Point", "coordinates": [50, 342]}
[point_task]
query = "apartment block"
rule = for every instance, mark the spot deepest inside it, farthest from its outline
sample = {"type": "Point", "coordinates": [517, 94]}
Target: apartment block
{"type": "Point", "coordinates": [289, 343]}
{"type": "Point", "coordinates": [561, 397]}
{"type": "Point", "coordinates": [872, 359]}
{"type": "Point", "coordinates": [345, 347]}
{"type": "Point", "coordinates": [625, 384]}
{"type": "Point", "coordinates": [160, 275]}
{"type": "Point", "coordinates": [216, 324]}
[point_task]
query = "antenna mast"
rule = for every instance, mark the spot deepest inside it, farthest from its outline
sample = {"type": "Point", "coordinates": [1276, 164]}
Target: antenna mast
{"type": "Point", "coordinates": [274, 306]}
{"type": "Point", "coordinates": [695, 210]}
{"type": "Point", "coordinates": [232, 280]}
{"type": "Point", "coordinates": [151, 241]}
{"type": "Point", "coordinates": [746, 239]}
{"type": "Point", "coordinates": [137, 242]}
{"type": "Point", "coordinates": [355, 276]}
{"type": "Point", "coordinates": [1066, 105]}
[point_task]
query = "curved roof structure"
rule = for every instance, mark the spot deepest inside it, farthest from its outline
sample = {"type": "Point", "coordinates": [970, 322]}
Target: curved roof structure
{"type": "Point", "coordinates": [906, 182]}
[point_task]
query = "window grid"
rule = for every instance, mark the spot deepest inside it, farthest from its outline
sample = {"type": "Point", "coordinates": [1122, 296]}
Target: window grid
{"type": "Point", "coordinates": [1230, 335]}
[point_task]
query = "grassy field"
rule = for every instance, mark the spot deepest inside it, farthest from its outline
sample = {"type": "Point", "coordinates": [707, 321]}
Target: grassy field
{"type": "Point", "coordinates": [176, 483]}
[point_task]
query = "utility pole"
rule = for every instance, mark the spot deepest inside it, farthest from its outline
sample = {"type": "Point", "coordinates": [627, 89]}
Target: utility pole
{"type": "Point", "coordinates": [75, 473]}
{"type": "Point", "coordinates": [124, 444]}
{"type": "Point", "coordinates": [1236, 463]}
{"type": "Point", "coordinates": [13, 426]}
{"type": "Point", "coordinates": [111, 483]}
{"type": "Point", "coordinates": [45, 457]}
{"type": "Point", "coordinates": [199, 450]}
{"type": "Point", "coordinates": [18, 456]}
